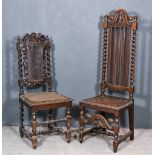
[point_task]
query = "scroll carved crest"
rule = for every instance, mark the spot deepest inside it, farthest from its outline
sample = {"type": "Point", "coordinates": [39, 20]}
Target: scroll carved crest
{"type": "Point", "coordinates": [120, 18]}
{"type": "Point", "coordinates": [33, 37]}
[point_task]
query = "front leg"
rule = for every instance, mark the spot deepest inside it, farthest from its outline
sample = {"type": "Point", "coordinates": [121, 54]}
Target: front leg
{"type": "Point", "coordinates": [131, 121]}
{"type": "Point", "coordinates": [81, 123]}
{"type": "Point", "coordinates": [68, 125]}
{"type": "Point", "coordinates": [49, 119]}
{"type": "Point", "coordinates": [34, 130]}
{"type": "Point", "coordinates": [116, 133]}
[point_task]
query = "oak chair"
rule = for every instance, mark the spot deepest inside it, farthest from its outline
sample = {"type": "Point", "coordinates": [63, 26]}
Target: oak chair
{"type": "Point", "coordinates": [34, 57]}
{"type": "Point", "coordinates": [118, 72]}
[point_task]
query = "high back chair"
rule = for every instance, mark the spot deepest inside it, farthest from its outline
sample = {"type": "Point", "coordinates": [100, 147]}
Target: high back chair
{"type": "Point", "coordinates": [118, 72]}
{"type": "Point", "coordinates": [34, 58]}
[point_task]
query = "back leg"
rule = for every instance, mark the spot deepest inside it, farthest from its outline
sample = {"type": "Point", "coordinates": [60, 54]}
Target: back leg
{"type": "Point", "coordinates": [21, 126]}
{"type": "Point", "coordinates": [81, 123]}
{"type": "Point", "coordinates": [131, 121]}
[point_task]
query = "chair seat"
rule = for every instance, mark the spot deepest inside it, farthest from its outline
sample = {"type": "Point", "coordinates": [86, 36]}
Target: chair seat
{"type": "Point", "coordinates": [108, 102]}
{"type": "Point", "coordinates": [44, 98]}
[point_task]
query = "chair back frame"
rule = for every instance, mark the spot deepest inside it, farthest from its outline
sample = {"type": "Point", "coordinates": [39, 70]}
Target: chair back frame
{"type": "Point", "coordinates": [119, 52]}
{"type": "Point", "coordinates": [34, 61]}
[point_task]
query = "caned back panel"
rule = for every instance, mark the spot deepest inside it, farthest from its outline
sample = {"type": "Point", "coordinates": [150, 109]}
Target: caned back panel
{"type": "Point", "coordinates": [118, 66]}
{"type": "Point", "coordinates": [118, 56]}
{"type": "Point", "coordinates": [34, 59]}
{"type": "Point", "coordinates": [35, 62]}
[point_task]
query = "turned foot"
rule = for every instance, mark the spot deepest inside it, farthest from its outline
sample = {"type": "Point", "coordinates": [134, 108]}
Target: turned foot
{"type": "Point", "coordinates": [132, 136]}
{"type": "Point", "coordinates": [68, 137]}
{"type": "Point", "coordinates": [115, 146]}
{"type": "Point", "coordinates": [81, 122]}
{"type": "Point", "coordinates": [21, 132]}
{"type": "Point", "coordinates": [131, 121]}
{"type": "Point", "coordinates": [21, 120]}
{"type": "Point", "coordinates": [34, 130]}
{"type": "Point", "coordinates": [116, 133]}
{"type": "Point", "coordinates": [68, 125]}
{"type": "Point", "coordinates": [34, 142]}
{"type": "Point", "coordinates": [50, 118]}
{"type": "Point", "coordinates": [80, 137]}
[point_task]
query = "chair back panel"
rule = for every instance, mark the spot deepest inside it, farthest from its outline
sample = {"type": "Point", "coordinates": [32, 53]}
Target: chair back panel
{"type": "Point", "coordinates": [118, 56]}
{"type": "Point", "coordinates": [34, 60]}
{"type": "Point", "coordinates": [118, 66]}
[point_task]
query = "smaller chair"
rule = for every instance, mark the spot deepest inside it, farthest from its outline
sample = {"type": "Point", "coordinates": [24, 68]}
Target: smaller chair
{"type": "Point", "coordinates": [34, 55]}
{"type": "Point", "coordinates": [118, 71]}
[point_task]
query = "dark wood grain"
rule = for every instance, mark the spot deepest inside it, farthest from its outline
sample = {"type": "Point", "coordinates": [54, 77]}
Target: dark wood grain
{"type": "Point", "coordinates": [118, 73]}
{"type": "Point", "coordinates": [34, 65]}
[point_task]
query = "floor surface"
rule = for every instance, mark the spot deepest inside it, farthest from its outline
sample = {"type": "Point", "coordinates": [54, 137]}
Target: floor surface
{"type": "Point", "coordinates": [92, 145]}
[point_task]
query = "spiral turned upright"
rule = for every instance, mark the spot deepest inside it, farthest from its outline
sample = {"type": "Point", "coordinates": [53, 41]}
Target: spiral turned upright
{"type": "Point", "coordinates": [104, 61]}
{"type": "Point", "coordinates": [133, 57]}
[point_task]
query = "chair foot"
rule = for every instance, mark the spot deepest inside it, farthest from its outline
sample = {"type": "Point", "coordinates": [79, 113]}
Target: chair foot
{"type": "Point", "coordinates": [115, 146]}
{"type": "Point", "coordinates": [21, 126]}
{"type": "Point", "coordinates": [80, 137]}
{"type": "Point", "coordinates": [50, 127]}
{"type": "Point", "coordinates": [132, 137]}
{"type": "Point", "coordinates": [131, 121]}
{"type": "Point", "coordinates": [34, 130]}
{"type": "Point", "coordinates": [21, 132]}
{"type": "Point", "coordinates": [68, 125]}
{"type": "Point", "coordinates": [34, 142]}
{"type": "Point", "coordinates": [81, 123]}
{"type": "Point", "coordinates": [116, 133]}
{"type": "Point", "coordinates": [68, 136]}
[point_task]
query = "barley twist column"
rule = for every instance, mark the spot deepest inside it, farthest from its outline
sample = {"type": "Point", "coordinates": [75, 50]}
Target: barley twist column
{"type": "Point", "coordinates": [34, 130]}
{"type": "Point", "coordinates": [104, 63]}
{"type": "Point", "coordinates": [68, 125]}
{"type": "Point", "coordinates": [81, 122]}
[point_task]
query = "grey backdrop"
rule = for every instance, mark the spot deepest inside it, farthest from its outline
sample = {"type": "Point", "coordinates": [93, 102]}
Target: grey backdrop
{"type": "Point", "coordinates": [74, 27]}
